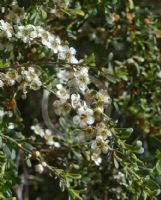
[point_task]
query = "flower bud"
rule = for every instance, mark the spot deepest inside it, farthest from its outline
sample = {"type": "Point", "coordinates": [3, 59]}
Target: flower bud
{"type": "Point", "coordinates": [44, 164]}
{"type": "Point", "coordinates": [37, 153]}
{"type": "Point", "coordinates": [39, 168]}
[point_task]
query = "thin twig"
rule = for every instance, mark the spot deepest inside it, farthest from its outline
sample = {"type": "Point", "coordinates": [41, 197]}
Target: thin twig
{"type": "Point", "coordinates": [47, 62]}
{"type": "Point", "coordinates": [52, 169]}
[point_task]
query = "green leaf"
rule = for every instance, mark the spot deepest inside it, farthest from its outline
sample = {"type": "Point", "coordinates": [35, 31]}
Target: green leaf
{"type": "Point", "coordinates": [13, 154]}
{"type": "Point", "coordinates": [44, 14]}
{"type": "Point", "coordinates": [63, 123]}
{"type": "Point", "coordinates": [90, 59]}
{"type": "Point", "coordinates": [76, 12]}
{"type": "Point", "coordinates": [116, 163]}
{"type": "Point", "coordinates": [7, 151]}
{"type": "Point", "coordinates": [2, 64]}
{"type": "Point", "coordinates": [124, 133]}
{"type": "Point", "coordinates": [28, 146]}
{"type": "Point", "coordinates": [28, 162]}
{"type": "Point", "coordinates": [75, 194]}
{"type": "Point", "coordinates": [72, 175]}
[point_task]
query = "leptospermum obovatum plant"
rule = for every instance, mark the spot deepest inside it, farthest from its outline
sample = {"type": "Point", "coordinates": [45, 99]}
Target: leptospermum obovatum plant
{"type": "Point", "coordinates": [77, 143]}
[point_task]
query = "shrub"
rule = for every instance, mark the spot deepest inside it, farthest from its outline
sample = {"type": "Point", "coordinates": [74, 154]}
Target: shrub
{"type": "Point", "coordinates": [80, 100]}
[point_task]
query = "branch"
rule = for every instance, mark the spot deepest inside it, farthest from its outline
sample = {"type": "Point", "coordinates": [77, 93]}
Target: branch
{"type": "Point", "coordinates": [44, 62]}
{"type": "Point", "coordinates": [48, 62]}
{"type": "Point", "coordinates": [32, 153]}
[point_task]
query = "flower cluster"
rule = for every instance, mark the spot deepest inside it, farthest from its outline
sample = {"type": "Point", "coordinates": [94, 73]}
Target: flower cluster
{"type": "Point", "coordinates": [85, 106]}
{"type": "Point", "coordinates": [25, 78]}
{"type": "Point", "coordinates": [29, 33]}
{"type": "Point", "coordinates": [34, 57]}
{"type": "Point", "coordinates": [6, 30]}
{"type": "Point", "coordinates": [72, 89]}
{"type": "Point", "coordinates": [46, 134]}
{"type": "Point", "coordinates": [101, 144]}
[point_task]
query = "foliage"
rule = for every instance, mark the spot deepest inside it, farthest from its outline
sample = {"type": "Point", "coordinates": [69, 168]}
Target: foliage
{"type": "Point", "coordinates": [80, 124]}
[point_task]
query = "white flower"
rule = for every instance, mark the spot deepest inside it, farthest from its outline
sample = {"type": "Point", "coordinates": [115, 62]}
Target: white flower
{"type": "Point", "coordinates": [68, 54]}
{"type": "Point", "coordinates": [44, 164]}
{"type": "Point", "coordinates": [27, 33]}
{"type": "Point", "coordinates": [11, 76]}
{"type": "Point", "coordinates": [23, 34]}
{"type": "Point", "coordinates": [85, 117]}
{"type": "Point", "coordinates": [36, 84]}
{"type": "Point", "coordinates": [103, 97]}
{"type": "Point", "coordinates": [11, 126]}
{"type": "Point", "coordinates": [61, 108]}
{"type": "Point", "coordinates": [29, 74]}
{"type": "Point", "coordinates": [63, 76]}
{"type": "Point", "coordinates": [45, 36]}
{"type": "Point", "coordinates": [62, 93]}
{"type": "Point", "coordinates": [38, 130]}
{"type": "Point", "coordinates": [6, 28]}
{"type": "Point", "coordinates": [49, 139]}
{"type": "Point", "coordinates": [100, 145]}
{"type": "Point", "coordinates": [82, 78]}
{"type": "Point", "coordinates": [2, 113]}
{"type": "Point", "coordinates": [1, 84]}
{"type": "Point", "coordinates": [55, 44]}
{"type": "Point", "coordinates": [104, 133]}
{"type": "Point", "coordinates": [29, 78]}
{"type": "Point", "coordinates": [39, 168]}
{"type": "Point", "coordinates": [96, 158]}
{"type": "Point", "coordinates": [32, 31]}
{"type": "Point", "coordinates": [56, 144]}
{"type": "Point", "coordinates": [75, 100]}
